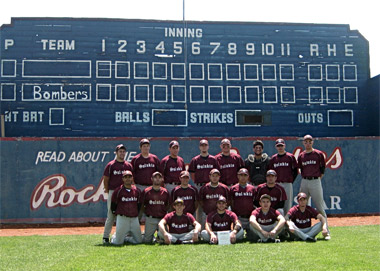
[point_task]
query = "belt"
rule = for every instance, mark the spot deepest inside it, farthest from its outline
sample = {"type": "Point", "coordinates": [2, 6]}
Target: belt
{"type": "Point", "coordinates": [154, 217]}
{"type": "Point", "coordinates": [311, 178]}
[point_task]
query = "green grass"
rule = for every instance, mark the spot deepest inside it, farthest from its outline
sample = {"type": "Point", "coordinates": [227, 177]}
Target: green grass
{"type": "Point", "coordinates": [351, 248]}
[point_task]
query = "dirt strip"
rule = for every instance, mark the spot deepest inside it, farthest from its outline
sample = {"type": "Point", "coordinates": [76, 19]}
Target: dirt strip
{"type": "Point", "coordinates": [46, 231]}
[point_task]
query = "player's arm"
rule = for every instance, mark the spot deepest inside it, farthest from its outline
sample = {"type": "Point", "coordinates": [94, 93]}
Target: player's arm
{"type": "Point", "coordinates": [280, 224]}
{"type": "Point", "coordinates": [324, 225]}
{"type": "Point", "coordinates": [106, 180]}
{"type": "Point", "coordinates": [256, 225]}
{"type": "Point", "coordinates": [235, 230]}
{"type": "Point", "coordinates": [114, 201]}
{"type": "Point", "coordinates": [213, 237]}
{"type": "Point", "coordinates": [192, 174]}
{"type": "Point", "coordinates": [197, 230]}
{"type": "Point", "coordinates": [162, 228]}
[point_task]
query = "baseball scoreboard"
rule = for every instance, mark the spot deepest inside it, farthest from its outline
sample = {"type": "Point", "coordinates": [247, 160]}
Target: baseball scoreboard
{"type": "Point", "coordinates": [106, 77]}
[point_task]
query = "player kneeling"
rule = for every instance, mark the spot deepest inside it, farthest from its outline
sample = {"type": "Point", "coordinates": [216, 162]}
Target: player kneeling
{"type": "Point", "coordinates": [299, 220]}
{"type": "Point", "coordinates": [222, 220]}
{"type": "Point", "coordinates": [266, 223]}
{"type": "Point", "coordinates": [174, 228]}
{"type": "Point", "coordinates": [125, 204]}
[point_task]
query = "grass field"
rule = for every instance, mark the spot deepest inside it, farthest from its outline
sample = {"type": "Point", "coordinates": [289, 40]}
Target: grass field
{"type": "Point", "coordinates": [351, 248]}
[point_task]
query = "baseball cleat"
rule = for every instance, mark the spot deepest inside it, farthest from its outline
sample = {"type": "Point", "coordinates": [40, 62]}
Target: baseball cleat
{"type": "Point", "coordinates": [106, 241]}
{"type": "Point", "coordinates": [309, 239]}
{"type": "Point", "coordinates": [328, 237]}
{"type": "Point", "coordinates": [277, 240]}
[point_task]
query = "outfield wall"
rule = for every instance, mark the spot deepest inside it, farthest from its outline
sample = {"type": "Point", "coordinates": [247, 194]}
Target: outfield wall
{"type": "Point", "coordinates": [58, 180]}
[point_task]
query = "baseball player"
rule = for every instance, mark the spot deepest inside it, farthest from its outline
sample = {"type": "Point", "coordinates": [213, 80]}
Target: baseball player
{"type": "Point", "coordinates": [222, 220]}
{"type": "Point", "coordinates": [201, 165]}
{"type": "Point", "coordinates": [257, 163]}
{"type": "Point", "coordinates": [312, 165]}
{"type": "Point", "coordinates": [274, 190]}
{"type": "Point", "coordinates": [125, 204]}
{"type": "Point", "coordinates": [144, 165]}
{"type": "Point", "coordinates": [155, 203]}
{"type": "Point", "coordinates": [175, 226]}
{"type": "Point", "coordinates": [187, 192]}
{"type": "Point", "coordinates": [209, 194]}
{"type": "Point", "coordinates": [229, 163]}
{"type": "Point", "coordinates": [266, 222]}
{"type": "Point", "coordinates": [242, 196]}
{"type": "Point", "coordinates": [112, 179]}
{"type": "Point", "coordinates": [171, 166]}
{"type": "Point", "coordinates": [285, 165]}
{"type": "Point", "coordinates": [299, 218]}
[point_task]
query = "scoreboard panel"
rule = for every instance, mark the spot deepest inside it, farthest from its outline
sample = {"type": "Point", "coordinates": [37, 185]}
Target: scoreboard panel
{"type": "Point", "coordinates": [137, 78]}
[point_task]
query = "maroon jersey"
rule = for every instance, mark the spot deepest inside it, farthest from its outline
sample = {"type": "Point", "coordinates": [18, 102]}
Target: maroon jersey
{"type": "Point", "coordinates": [189, 196]}
{"type": "Point", "coordinates": [229, 166]}
{"type": "Point", "coordinates": [143, 168]}
{"type": "Point", "coordinates": [155, 202]}
{"type": "Point", "coordinates": [312, 164]}
{"type": "Point", "coordinates": [127, 200]}
{"type": "Point", "coordinates": [285, 166]}
{"type": "Point", "coordinates": [276, 193]}
{"type": "Point", "coordinates": [114, 170]}
{"type": "Point", "coordinates": [302, 219]}
{"type": "Point", "coordinates": [266, 219]}
{"type": "Point", "coordinates": [223, 222]}
{"type": "Point", "coordinates": [171, 168]}
{"type": "Point", "coordinates": [202, 166]}
{"type": "Point", "coordinates": [209, 195]}
{"type": "Point", "coordinates": [179, 224]}
{"type": "Point", "coordinates": [242, 198]}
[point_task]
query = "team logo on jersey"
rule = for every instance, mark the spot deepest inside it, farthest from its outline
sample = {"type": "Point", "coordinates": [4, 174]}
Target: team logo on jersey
{"type": "Point", "coordinates": [171, 169]}
{"type": "Point", "coordinates": [281, 164]}
{"type": "Point", "coordinates": [243, 194]}
{"type": "Point", "coordinates": [187, 197]}
{"type": "Point", "coordinates": [227, 166]}
{"type": "Point", "coordinates": [264, 221]}
{"type": "Point", "coordinates": [204, 166]}
{"type": "Point", "coordinates": [156, 202]}
{"type": "Point", "coordinates": [212, 196]}
{"type": "Point", "coordinates": [129, 199]}
{"type": "Point", "coordinates": [221, 225]}
{"type": "Point", "coordinates": [117, 172]}
{"type": "Point", "coordinates": [303, 221]}
{"type": "Point", "coordinates": [180, 226]}
{"type": "Point", "coordinates": [310, 162]}
{"type": "Point", "coordinates": [146, 165]}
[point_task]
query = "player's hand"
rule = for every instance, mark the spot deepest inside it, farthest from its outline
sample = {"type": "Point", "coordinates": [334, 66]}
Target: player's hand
{"type": "Point", "coordinates": [195, 237]}
{"type": "Point", "coordinates": [265, 233]}
{"type": "Point", "coordinates": [232, 237]}
{"type": "Point", "coordinates": [291, 229]}
{"type": "Point", "coordinates": [325, 232]}
{"type": "Point", "coordinates": [213, 238]}
{"type": "Point", "coordinates": [106, 190]}
{"type": "Point", "coordinates": [273, 234]}
{"type": "Point", "coordinates": [167, 239]}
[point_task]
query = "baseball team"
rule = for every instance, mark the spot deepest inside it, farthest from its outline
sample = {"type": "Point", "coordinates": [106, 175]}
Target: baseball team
{"type": "Point", "coordinates": [249, 199]}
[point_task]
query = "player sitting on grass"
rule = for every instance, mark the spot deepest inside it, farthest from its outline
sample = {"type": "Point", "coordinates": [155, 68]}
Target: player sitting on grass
{"type": "Point", "coordinates": [266, 222]}
{"type": "Point", "coordinates": [299, 218]}
{"type": "Point", "coordinates": [174, 228]}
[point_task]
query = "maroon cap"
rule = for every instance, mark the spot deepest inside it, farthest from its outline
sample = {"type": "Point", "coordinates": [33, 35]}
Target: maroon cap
{"type": "Point", "coordinates": [144, 141]}
{"type": "Point", "coordinates": [173, 143]}
{"type": "Point", "coordinates": [271, 172]}
{"type": "Point", "coordinates": [203, 141]}
{"type": "Point", "coordinates": [178, 200]}
{"type": "Point", "coordinates": [280, 142]}
{"type": "Point", "coordinates": [120, 146]}
{"type": "Point", "coordinates": [127, 173]}
{"type": "Point", "coordinates": [301, 195]}
{"type": "Point", "coordinates": [184, 174]}
{"type": "Point", "coordinates": [258, 142]}
{"type": "Point", "coordinates": [307, 137]}
{"type": "Point", "coordinates": [157, 173]}
{"type": "Point", "coordinates": [225, 141]}
{"type": "Point", "coordinates": [243, 171]}
{"type": "Point", "coordinates": [214, 170]}
{"type": "Point", "coordinates": [221, 198]}
{"type": "Point", "coordinates": [265, 196]}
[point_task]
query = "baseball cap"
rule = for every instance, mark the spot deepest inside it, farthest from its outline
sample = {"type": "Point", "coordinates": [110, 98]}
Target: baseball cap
{"type": "Point", "coordinates": [144, 141]}
{"type": "Point", "coordinates": [184, 174]}
{"type": "Point", "coordinates": [271, 172]}
{"type": "Point", "coordinates": [258, 142]}
{"type": "Point", "coordinates": [221, 198]}
{"type": "Point", "coordinates": [225, 141]}
{"type": "Point", "coordinates": [265, 196]}
{"type": "Point", "coordinates": [306, 137]}
{"type": "Point", "coordinates": [178, 200]}
{"type": "Point", "coordinates": [203, 141]}
{"type": "Point", "coordinates": [127, 173]}
{"type": "Point", "coordinates": [156, 173]}
{"type": "Point", "coordinates": [214, 170]}
{"type": "Point", "coordinates": [280, 141]}
{"type": "Point", "coordinates": [120, 146]}
{"type": "Point", "coordinates": [301, 195]}
{"type": "Point", "coordinates": [173, 143]}
{"type": "Point", "coordinates": [243, 171]}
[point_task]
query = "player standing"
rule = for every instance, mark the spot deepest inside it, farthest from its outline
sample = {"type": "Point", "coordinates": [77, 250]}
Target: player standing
{"type": "Point", "coordinates": [171, 166]}
{"type": "Point", "coordinates": [312, 165]}
{"type": "Point", "coordinates": [257, 163]}
{"type": "Point", "coordinates": [186, 192]}
{"type": "Point", "coordinates": [125, 204]}
{"type": "Point", "coordinates": [112, 179]}
{"type": "Point", "coordinates": [242, 196]}
{"type": "Point", "coordinates": [144, 165]}
{"type": "Point", "coordinates": [155, 203]}
{"type": "Point", "coordinates": [229, 163]}
{"type": "Point", "coordinates": [285, 165]}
